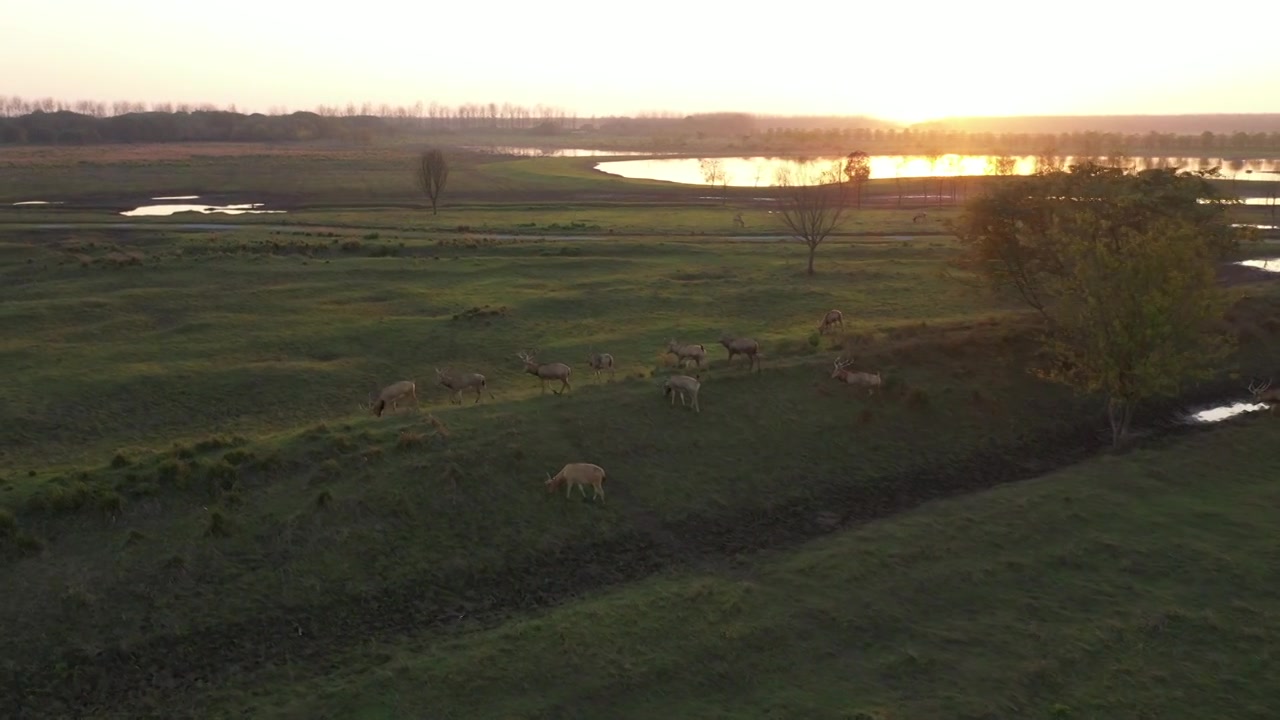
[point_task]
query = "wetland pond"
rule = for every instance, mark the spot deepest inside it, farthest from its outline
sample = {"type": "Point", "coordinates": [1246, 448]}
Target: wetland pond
{"type": "Point", "coordinates": [172, 208]}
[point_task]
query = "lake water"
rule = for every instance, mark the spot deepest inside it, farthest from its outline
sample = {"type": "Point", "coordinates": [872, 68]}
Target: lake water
{"type": "Point", "coordinates": [760, 171]}
{"type": "Point", "coordinates": [39, 202]}
{"type": "Point", "coordinates": [178, 197]}
{"type": "Point", "coordinates": [170, 209]}
{"type": "Point", "coordinates": [557, 152]}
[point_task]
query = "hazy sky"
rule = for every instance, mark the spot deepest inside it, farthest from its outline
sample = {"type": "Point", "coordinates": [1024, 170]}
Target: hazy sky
{"type": "Point", "coordinates": [908, 60]}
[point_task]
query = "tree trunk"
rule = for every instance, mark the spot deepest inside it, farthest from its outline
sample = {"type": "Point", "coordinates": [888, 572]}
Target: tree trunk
{"type": "Point", "coordinates": [1120, 413]}
{"type": "Point", "coordinates": [812, 250]}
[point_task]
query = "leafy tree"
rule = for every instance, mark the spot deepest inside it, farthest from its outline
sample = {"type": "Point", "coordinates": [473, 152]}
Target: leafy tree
{"type": "Point", "coordinates": [1121, 268]}
{"type": "Point", "coordinates": [431, 173]}
{"type": "Point", "coordinates": [857, 171]}
{"type": "Point", "coordinates": [813, 202]}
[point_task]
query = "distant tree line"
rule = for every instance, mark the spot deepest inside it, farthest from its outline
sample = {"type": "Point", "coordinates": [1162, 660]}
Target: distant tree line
{"type": "Point", "coordinates": [50, 121]}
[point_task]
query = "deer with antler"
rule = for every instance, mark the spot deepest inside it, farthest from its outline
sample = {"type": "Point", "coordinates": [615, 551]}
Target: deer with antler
{"type": "Point", "coordinates": [546, 371]}
{"type": "Point", "coordinates": [1266, 394]}
{"type": "Point", "coordinates": [869, 380]}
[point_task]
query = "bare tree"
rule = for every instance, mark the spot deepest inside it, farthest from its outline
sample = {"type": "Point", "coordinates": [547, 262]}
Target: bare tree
{"type": "Point", "coordinates": [713, 173]}
{"type": "Point", "coordinates": [432, 172]}
{"type": "Point", "coordinates": [813, 202]}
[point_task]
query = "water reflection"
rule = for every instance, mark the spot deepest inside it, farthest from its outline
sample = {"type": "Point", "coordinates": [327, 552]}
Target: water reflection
{"type": "Point", "coordinates": [39, 202]}
{"type": "Point", "coordinates": [153, 210]}
{"type": "Point", "coordinates": [178, 197]}
{"type": "Point", "coordinates": [760, 171]}
{"type": "Point", "coordinates": [1224, 412]}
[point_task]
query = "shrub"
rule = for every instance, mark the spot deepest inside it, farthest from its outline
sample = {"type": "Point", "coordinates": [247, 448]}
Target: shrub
{"type": "Point", "coordinates": [120, 461]}
{"type": "Point", "coordinates": [218, 526]}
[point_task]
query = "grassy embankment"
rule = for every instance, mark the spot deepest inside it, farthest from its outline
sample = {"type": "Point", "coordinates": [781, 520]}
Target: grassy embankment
{"type": "Point", "coordinates": [1131, 586]}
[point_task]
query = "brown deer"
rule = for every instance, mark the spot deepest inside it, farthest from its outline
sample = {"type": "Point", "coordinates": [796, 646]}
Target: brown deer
{"type": "Point", "coordinates": [743, 346]}
{"type": "Point", "coordinates": [830, 320]}
{"type": "Point", "coordinates": [685, 387]}
{"type": "Point", "coordinates": [546, 371]}
{"type": "Point", "coordinates": [855, 378]}
{"type": "Point", "coordinates": [600, 361]}
{"type": "Point", "coordinates": [581, 475]}
{"type": "Point", "coordinates": [456, 383]}
{"type": "Point", "coordinates": [391, 395]}
{"type": "Point", "coordinates": [696, 353]}
{"type": "Point", "coordinates": [1266, 394]}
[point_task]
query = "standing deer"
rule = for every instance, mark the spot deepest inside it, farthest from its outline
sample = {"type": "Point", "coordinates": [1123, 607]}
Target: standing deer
{"type": "Point", "coordinates": [581, 475]}
{"type": "Point", "coordinates": [600, 361]}
{"type": "Point", "coordinates": [1266, 394]}
{"type": "Point", "coordinates": [738, 221]}
{"type": "Point", "coordinates": [919, 217]}
{"type": "Point", "coordinates": [391, 395]}
{"type": "Point", "coordinates": [830, 320]}
{"type": "Point", "coordinates": [546, 371]}
{"type": "Point", "coordinates": [686, 387]}
{"type": "Point", "coordinates": [743, 346]}
{"type": "Point", "coordinates": [696, 353]}
{"type": "Point", "coordinates": [855, 378]}
{"type": "Point", "coordinates": [456, 383]}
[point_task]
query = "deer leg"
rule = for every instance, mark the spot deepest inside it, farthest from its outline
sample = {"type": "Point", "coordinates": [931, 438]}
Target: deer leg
{"type": "Point", "coordinates": [568, 489]}
{"type": "Point", "coordinates": [477, 402]}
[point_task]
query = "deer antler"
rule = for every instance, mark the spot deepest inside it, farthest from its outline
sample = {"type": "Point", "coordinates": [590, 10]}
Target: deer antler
{"type": "Point", "coordinates": [1259, 389]}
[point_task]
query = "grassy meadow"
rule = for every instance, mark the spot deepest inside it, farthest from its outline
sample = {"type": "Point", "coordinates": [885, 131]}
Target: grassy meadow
{"type": "Point", "coordinates": [193, 495]}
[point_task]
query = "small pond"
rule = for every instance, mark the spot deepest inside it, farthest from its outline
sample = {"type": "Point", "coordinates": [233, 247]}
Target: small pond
{"type": "Point", "coordinates": [1224, 412]}
{"type": "Point", "coordinates": [170, 209]}
{"type": "Point", "coordinates": [1268, 264]}
{"type": "Point", "coordinates": [178, 197]}
{"type": "Point", "coordinates": [38, 202]}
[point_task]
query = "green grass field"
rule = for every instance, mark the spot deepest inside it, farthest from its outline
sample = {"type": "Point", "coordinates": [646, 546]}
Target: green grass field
{"type": "Point", "coordinates": [1133, 586]}
{"type": "Point", "coordinates": [191, 488]}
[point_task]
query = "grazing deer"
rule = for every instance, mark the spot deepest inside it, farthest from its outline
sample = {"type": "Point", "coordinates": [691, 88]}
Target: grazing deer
{"type": "Point", "coordinates": [686, 387]}
{"type": "Point", "coordinates": [580, 474]}
{"type": "Point", "coordinates": [830, 320]}
{"type": "Point", "coordinates": [855, 378]}
{"type": "Point", "coordinates": [919, 217]}
{"type": "Point", "coordinates": [459, 382]}
{"type": "Point", "coordinates": [546, 371]}
{"type": "Point", "coordinates": [743, 346]}
{"type": "Point", "coordinates": [391, 395]}
{"type": "Point", "coordinates": [600, 361]}
{"type": "Point", "coordinates": [696, 353]}
{"type": "Point", "coordinates": [1266, 394]}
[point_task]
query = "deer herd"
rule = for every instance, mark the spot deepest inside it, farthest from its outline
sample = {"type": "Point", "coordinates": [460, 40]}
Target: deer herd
{"type": "Point", "coordinates": [684, 386]}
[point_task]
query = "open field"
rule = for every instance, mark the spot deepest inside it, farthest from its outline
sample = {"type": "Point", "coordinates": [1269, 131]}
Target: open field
{"type": "Point", "coordinates": [192, 494]}
{"type": "Point", "coordinates": [1131, 586]}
